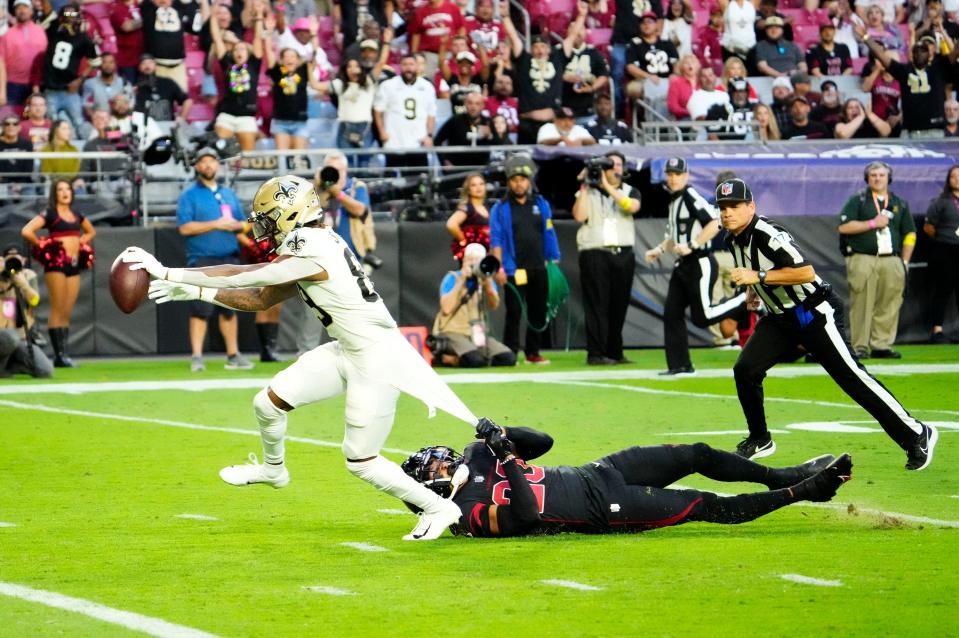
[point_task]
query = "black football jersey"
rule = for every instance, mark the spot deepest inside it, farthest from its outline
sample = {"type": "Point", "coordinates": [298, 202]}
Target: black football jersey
{"type": "Point", "coordinates": [61, 65]}
{"type": "Point", "coordinates": [564, 495]}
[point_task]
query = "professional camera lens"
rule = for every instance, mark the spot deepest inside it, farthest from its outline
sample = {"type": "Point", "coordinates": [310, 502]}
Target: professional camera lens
{"type": "Point", "coordinates": [329, 176]}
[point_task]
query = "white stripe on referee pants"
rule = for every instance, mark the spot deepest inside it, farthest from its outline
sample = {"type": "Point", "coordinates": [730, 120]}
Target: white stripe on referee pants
{"type": "Point", "coordinates": [840, 344]}
{"type": "Point", "coordinates": [706, 295]}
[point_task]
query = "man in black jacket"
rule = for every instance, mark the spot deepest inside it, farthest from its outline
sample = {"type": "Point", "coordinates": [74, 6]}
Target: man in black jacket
{"type": "Point", "coordinates": [500, 495]}
{"type": "Point", "coordinates": [469, 128]}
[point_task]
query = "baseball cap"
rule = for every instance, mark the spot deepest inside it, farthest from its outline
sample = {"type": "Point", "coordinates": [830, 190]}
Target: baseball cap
{"type": "Point", "coordinates": [206, 151]}
{"type": "Point", "coordinates": [538, 38]}
{"type": "Point", "coordinates": [676, 165]}
{"type": "Point", "coordinates": [563, 112]}
{"type": "Point", "coordinates": [648, 14]}
{"type": "Point", "coordinates": [782, 81]}
{"type": "Point", "coordinates": [801, 78]}
{"type": "Point", "coordinates": [474, 250]}
{"type": "Point", "coordinates": [826, 24]}
{"type": "Point", "coordinates": [733, 190]}
{"type": "Point", "coordinates": [147, 56]}
{"type": "Point", "coordinates": [370, 44]}
{"type": "Point", "coordinates": [27, 3]}
{"type": "Point", "coordinates": [798, 98]}
{"type": "Point", "coordinates": [301, 24]}
{"type": "Point", "coordinates": [774, 21]}
{"type": "Point", "coordinates": [465, 56]}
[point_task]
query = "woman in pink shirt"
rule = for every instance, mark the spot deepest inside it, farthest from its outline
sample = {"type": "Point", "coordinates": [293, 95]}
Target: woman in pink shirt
{"type": "Point", "coordinates": [22, 48]}
{"type": "Point", "coordinates": [682, 85]}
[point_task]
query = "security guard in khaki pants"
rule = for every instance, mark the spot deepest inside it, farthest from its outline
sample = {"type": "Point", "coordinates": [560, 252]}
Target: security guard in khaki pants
{"type": "Point", "coordinates": [877, 236]}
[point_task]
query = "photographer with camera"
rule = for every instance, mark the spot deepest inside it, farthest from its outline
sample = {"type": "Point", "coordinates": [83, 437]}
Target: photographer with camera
{"type": "Point", "coordinates": [460, 335]}
{"type": "Point", "coordinates": [346, 202]}
{"type": "Point", "coordinates": [19, 353]}
{"type": "Point", "coordinates": [605, 207]}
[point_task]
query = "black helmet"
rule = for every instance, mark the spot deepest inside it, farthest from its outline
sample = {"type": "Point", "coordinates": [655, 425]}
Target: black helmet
{"type": "Point", "coordinates": [420, 467]}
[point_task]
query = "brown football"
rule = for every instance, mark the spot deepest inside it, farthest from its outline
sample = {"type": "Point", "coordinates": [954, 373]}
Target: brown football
{"type": "Point", "coordinates": [128, 287]}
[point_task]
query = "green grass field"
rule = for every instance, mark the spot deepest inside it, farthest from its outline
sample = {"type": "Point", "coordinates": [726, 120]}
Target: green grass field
{"type": "Point", "coordinates": [94, 482]}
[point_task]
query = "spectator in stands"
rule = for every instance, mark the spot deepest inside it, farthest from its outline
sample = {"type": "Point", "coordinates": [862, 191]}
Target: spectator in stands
{"type": "Point", "coordinates": [625, 27]}
{"type": "Point", "coordinates": [502, 102]}
{"type": "Point", "coordinates": [483, 29]}
{"type": "Point", "coordinates": [107, 138]}
{"type": "Point", "coordinates": [601, 14]}
{"type": "Point", "coordinates": [883, 32]}
{"type": "Point", "coordinates": [739, 34]}
{"type": "Point", "coordinates": [370, 31]}
{"type": "Point", "coordinates": [802, 85]}
{"type": "Point", "coordinates": [469, 223]}
{"type": "Point", "coordinates": [21, 47]}
{"type": "Point", "coordinates": [404, 112]}
{"type": "Point", "coordinates": [373, 58]}
{"type": "Point", "coordinates": [68, 46]}
{"type": "Point", "coordinates": [36, 124]}
{"type": "Point", "coordinates": [860, 122]}
{"type": "Point", "coordinates": [841, 15]}
{"type": "Point", "coordinates": [14, 173]}
{"type": "Point", "coordinates": [294, 10]}
{"type": "Point", "coordinates": [776, 56]}
{"type": "Point", "coordinates": [43, 13]}
{"type": "Point", "coordinates": [73, 231]}
{"type": "Point", "coordinates": [164, 24]}
{"type": "Point", "coordinates": [501, 135]}
{"type": "Point", "coordinates": [828, 57]}
{"type": "Point", "coordinates": [706, 95]}
{"type": "Point", "coordinates": [706, 44]}
{"type": "Point", "coordinates": [951, 111]}
{"type": "Point", "coordinates": [501, 62]}
{"type": "Point", "coordinates": [349, 199]}
{"type": "Point", "coordinates": [132, 124]}
{"type": "Point", "coordinates": [893, 11]}
{"type": "Point", "coordinates": [127, 22]}
{"type": "Point", "coordinates": [290, 77]}
{"type": "Point", "coordinates": [349, 18]}
{"type": "Point", "coordinates": [156, 95]}
{"type": "Point", "coordinates": [768, 9]}
{"type": "Point", "coordinates": [61, 141]}
{"type": "Point", "coordinates": [942, 227]}
{"type": "Point", "coordinates": [540, 74]}
{"type": "Point", "coordinates": [649, 62]}
{"type": "Point", "coordinates": [682, 86]}
{"type": "Point", "coordinates": [884, 90]}
{"type": "Point", "coordinates": [768, 127]}
{"type": "Point", "coordinates": [456, 86]}
{"type": "Point", "coordinates": [564, 131]}
{"type": "Point", "coordinates": [304, 38]}
{"type": "Point", "coordinates": [734, 69]}
{"type": "Point", "coordinates": [936, 25]}
{"type": "Point", "coordinates": [434, 23]}
{"type": "Point", "coordinates": [829, 109]}
{"type": "Point", "coordinates": [469, 128]}
{"type": "Point", "coordinates": [584, 74]}
{"type": "Point", "coordinates": [236, 111]}
{"type": "Point", "coordinates": [923, 86]}
{"type": "Point", "coordinates": [100, 89]}
{"type": "Point", "coordinates": [355, 90]}
{"type": "Point", "coordinates": [222, 12]}
{"type": "Point", "coordinates": [782, 98]}
{"type": "Point", "coordinates": [606, 129]}
{"type": "Point", "coordinates": [677, 26]}
{"type": "Point", "coordinates": [800, 126]}
{"type": "Point", "coordinates": [739, 109]}
{"type": "Point", "coordinates": [877, 236]}
{"type": "Point", "coordinates": [209, 216]}
{"type": "Point", "coordinates": [449, 51]}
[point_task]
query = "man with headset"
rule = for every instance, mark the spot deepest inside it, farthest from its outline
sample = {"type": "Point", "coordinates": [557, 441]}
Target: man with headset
{"type": "Point", "coordinates": [877, 236]}
{"type": "Point", "coordinates": [801, 310]}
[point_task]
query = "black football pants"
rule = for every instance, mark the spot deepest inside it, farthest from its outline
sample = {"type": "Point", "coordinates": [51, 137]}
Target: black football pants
{"type": "Point", "coordinates": [824, 338]}
{"type": "Point", "coordinates": [607, 280]}
{"type": "Point", "coordinates": [534, 294]}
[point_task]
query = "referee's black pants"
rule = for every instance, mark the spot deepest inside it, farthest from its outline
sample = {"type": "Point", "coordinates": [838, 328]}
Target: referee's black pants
{"type": "Point", "coordinates": [606, 276]}
{"type": "Point", "coordinates": [533, 294]}
{"type": "Point", "coordinates": [691, 286]}
{"type": "Point", "coordinates": [820, 331]}
{"type": "Point", "coordinates": [946, 261]}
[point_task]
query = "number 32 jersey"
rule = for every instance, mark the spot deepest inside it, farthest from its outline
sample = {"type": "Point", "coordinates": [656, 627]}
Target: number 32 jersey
{"type": "Point", "coordinates": [345, 303]}
{"type": "Point", "coordinates": [405, 108]}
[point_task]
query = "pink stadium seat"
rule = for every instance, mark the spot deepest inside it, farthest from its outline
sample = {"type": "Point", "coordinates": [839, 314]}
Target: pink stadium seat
{"type": "Point", "coordinates": [201, 112]}
{"type": "Point", "coordinates": [805, 36]}
{"type": "Point", "coordinates": [326, 28]}
{"type": "Point", "coordinates": [191, 42]}
{"type": "Point", "coordinates": [195, 59]}
{"type": "Point", "coordinates": [566, 7]}
{"type": "Point", "coordinates": [599, 37]}
{"type": "Point", "coordinates": [194, 77]}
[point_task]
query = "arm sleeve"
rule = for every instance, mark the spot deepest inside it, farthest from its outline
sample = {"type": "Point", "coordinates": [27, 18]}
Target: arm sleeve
{"type": "Point", "coordinates": [703, 211]}
{"type": "Point", "coordinates": [516, 519]}
{"type": "Point", "coordinates": [899, 71]}
{"type": "Point", "coordinates": [529, 443]}
{"type": "Point", "coordinates": [495, 227]}
{"type": "Point", "coordinates": [550, 242]}
{"type": "Point", "coordinates": [782, 251]}
{"type": "Point", "coordinates": [275, 273]}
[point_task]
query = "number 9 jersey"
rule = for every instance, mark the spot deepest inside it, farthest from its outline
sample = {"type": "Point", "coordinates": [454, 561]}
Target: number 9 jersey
{"type": "Point", "coordinates": [345, 303]}
{"type": "Point", "coordinates": [405, 108]}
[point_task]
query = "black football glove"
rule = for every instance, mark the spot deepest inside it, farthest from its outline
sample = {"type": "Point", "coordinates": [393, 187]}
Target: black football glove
{"type": "Point", "coordinates": [485, 428]}
{"type": "Point", "coordinates": [500, 445]}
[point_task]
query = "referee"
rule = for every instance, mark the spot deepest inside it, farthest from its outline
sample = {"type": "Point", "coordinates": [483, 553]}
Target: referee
{"type": "Point", "coordinates": [691, 225]}
{"type": "Point", "coordinates": [802, 310]}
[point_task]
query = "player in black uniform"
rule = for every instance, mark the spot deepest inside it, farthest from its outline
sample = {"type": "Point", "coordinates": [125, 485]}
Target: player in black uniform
{"type": "Point", "coordinates": [67, 46]}
{"type": "Point", "coordinates": [500, 495]}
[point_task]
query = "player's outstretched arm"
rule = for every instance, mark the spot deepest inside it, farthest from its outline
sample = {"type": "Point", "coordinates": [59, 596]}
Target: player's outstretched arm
{"type": "Point", "coordinates": [245, 299]}
{"type": "Point", "coordinates": [529, 443]}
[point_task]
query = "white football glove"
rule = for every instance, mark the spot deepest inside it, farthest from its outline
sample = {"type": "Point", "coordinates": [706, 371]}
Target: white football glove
{"type": "Point", "coordinates": [163, 291]}
{"type": "Point", "coordinates": [142, 260]}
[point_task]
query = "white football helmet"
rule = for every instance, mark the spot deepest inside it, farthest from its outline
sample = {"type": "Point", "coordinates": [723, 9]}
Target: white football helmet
{"type": "Point", "coordinates": [282, 204]}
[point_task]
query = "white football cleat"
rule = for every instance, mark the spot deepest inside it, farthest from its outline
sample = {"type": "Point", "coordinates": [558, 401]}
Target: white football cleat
{"type": "Point", "coordinates": [256, 472]}
{"type": "Point", "coordinates": [432, 524]}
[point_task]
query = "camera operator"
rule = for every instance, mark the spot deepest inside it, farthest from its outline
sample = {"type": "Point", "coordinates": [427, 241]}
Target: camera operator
{"type": "Point", "coordinates": [18, 297]}
{"type": "Point", "coordinates": [605, 206]}
{"type": "Point", "coordinates": [460, 335]}
{"type": "Point", "coordinates": [346, 202]}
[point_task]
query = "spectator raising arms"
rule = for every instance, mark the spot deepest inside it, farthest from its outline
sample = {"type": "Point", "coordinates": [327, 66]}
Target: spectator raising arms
{"type": "Point", "coordinates": [677, 26]}
{"type": "Point", "coordinates": [164, 24]}
{"type": "Point", "coordinates": [236, 111]}
{"type": "Point", "coordinates": [433, 25]}
{"type": "Point", "coordinates": [68, 47]}
{"type": "Point", "coordinates": [355, 89]}
{"type": "Point", "coordinates": [290, 78]}
{"type": "Point", "coordinates": [127, 22]}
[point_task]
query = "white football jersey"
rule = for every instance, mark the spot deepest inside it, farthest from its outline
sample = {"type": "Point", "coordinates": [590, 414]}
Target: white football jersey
{"type": "Point", "coordinates": [345, 303]}
{"type": "Point", "coordinates": [405, 108]}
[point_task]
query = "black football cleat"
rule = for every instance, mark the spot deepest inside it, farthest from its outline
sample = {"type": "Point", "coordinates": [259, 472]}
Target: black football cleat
{"type": "Point", "coordinates": [789, 476]}
{"type": "Point", "coordinates": [824, 485]}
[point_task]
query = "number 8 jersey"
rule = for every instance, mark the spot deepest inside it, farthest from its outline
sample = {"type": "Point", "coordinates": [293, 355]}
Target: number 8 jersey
{"type": "Point", "coordinates": [346, 303]}
{"type": "Point", "coordinates": [405, 109]}
{"type": "Point", "coordinates": [65, 51]}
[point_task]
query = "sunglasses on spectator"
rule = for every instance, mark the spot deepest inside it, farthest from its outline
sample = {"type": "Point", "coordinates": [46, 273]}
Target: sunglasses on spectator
{"type": "Point", "coordinates": [11, 122]}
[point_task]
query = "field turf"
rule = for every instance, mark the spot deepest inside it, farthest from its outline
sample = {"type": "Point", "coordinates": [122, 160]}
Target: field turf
{"type": "Point", "coordinates": [93, 483]}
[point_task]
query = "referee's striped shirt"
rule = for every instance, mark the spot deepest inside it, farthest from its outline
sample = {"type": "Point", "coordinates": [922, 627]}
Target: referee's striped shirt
{"type": "Point", "coordinates": [689, 213]}
{"type": "Point", "coordinates": [765, 245]}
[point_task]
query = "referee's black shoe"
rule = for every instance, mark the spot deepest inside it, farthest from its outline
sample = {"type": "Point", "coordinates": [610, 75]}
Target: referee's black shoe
{"type": "Point", "coordinates": [756, 448]}
{"type": "Point", "coordinates": [594, 360]}
{"type": "Point", "coordinates": [885, 354]}
{"type": "Point", "coordinates": [684, 371]}
{"type": "Point", "coordinates": [919, 454]}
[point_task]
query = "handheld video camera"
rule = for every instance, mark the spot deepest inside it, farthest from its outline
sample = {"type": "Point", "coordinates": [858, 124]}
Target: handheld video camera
{"type": "Point", "coordinates": [594, 170]}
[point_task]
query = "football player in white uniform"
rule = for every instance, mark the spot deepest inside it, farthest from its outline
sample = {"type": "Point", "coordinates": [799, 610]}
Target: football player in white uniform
{"type": "Point", "coordinates": [370, 360]}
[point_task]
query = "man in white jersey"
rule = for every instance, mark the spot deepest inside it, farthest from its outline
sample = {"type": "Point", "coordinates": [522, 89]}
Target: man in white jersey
{"type": "Point", "coordinates": [404, 111]}
{"type": "Point", "coordinates": [370, 360]}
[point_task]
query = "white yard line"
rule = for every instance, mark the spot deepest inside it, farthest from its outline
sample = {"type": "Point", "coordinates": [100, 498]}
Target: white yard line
{"type": "Point", "coordinates": [364, 547]}
{"type": "Point", "coordinates": [14, 524]}
{"type": "Point", "coordinates": [396, 512]}
{"type": "Point", "coordinates": [809, 580]}
{"type": "Point", "coordinates": [740, 432]}
{"type": "Point", "coordinates": [571, 584]}
{"type": "Point", "coordinates": [128, 619]}
{"type": "Point", "coordinates": [197, 517]}
{"type": "Point", "coordinates": [330, 591]}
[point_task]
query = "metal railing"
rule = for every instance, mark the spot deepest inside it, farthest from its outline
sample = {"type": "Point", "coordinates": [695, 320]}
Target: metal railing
{"type": "Point", "coordinates": [668, 131]}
